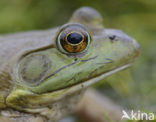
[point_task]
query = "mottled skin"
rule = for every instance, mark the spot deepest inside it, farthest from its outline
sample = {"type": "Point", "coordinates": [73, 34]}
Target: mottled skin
{"type": "Point", "coordinates": [52, 82]}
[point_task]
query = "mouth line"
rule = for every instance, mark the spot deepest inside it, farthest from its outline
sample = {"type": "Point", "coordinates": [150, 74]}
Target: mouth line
{"type": "Point", "coordinates": [89, 82]}
{"type": "Point", "coordinates": [83, 85]}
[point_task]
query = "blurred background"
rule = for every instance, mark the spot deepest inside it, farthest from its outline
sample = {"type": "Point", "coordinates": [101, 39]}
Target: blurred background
{"type": "Point", "coordinates": [132, 90]}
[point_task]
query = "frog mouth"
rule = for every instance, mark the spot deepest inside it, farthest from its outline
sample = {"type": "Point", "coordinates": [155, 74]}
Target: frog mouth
{"type": "Point", "coordinates": [89, 82]}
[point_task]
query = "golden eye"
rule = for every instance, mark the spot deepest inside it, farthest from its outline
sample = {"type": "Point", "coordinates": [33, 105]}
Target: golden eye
{"type": "Point", "coordinates": [73, 39]}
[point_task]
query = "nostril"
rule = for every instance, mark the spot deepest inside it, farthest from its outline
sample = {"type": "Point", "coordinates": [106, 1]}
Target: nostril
{"type": "Point", "coordinates": [112, 37]}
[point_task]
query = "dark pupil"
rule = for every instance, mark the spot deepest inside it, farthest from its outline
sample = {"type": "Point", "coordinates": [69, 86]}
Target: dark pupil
{"type": "Point", "coordinates": [74, 38]}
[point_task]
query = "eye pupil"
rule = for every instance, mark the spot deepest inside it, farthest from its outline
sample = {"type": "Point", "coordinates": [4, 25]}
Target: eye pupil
{"type": "Point", "coordinates": [74, 38]}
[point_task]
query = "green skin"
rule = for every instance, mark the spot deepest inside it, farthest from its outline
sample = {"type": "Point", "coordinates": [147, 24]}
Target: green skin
{"type": "Point", "coordinates": [64, 75]}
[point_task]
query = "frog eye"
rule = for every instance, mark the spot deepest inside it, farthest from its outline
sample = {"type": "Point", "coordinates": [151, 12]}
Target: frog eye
{"type": "Point", "coordinates": [73, 39]}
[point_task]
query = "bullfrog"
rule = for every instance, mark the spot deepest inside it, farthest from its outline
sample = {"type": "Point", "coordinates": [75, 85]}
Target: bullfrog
{"type": "Point", "coordinates": [43, 74]}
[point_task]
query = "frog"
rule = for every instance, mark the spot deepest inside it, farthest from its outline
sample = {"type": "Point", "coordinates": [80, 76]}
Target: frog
{"type": "Point", "coordinates": [44, 73]}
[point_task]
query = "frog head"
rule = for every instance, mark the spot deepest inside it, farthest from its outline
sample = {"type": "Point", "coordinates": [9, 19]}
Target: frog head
{"type": "Point", "coordinates": [78, 54]}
